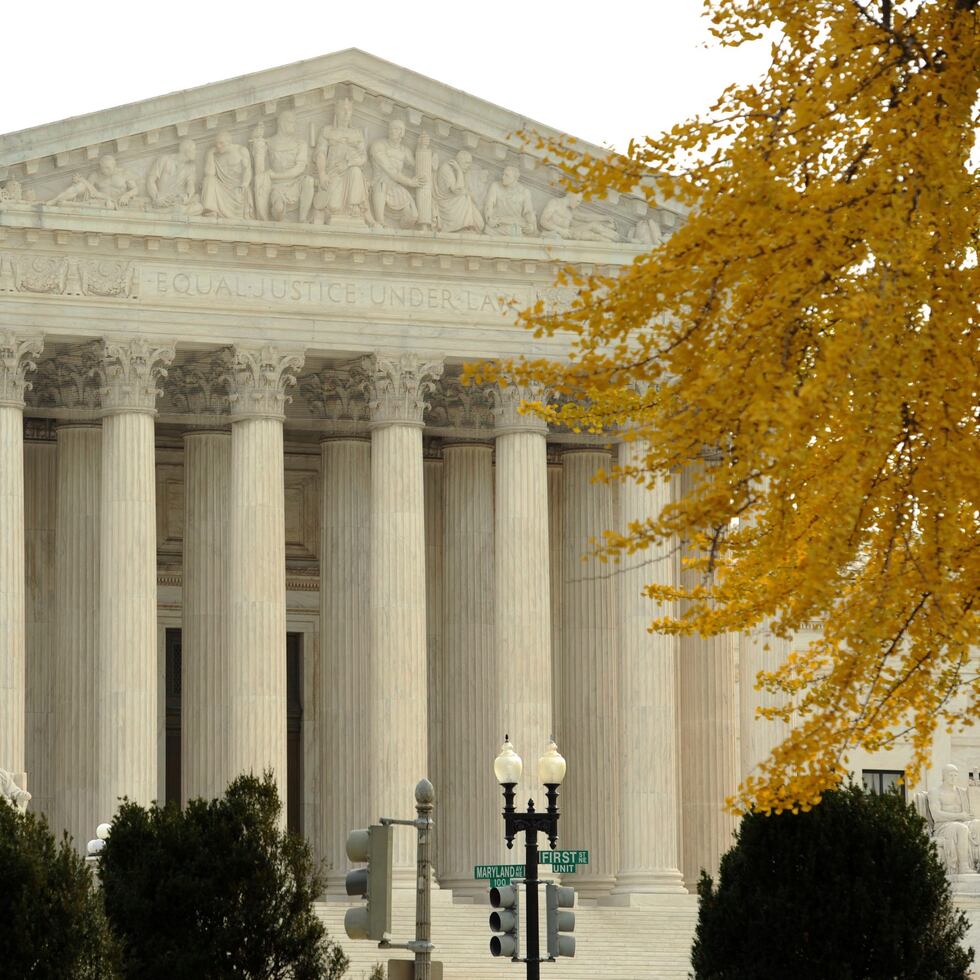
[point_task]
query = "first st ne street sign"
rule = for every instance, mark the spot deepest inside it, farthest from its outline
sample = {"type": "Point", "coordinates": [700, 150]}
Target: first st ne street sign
{"type": "Point", "coordinates": [563, 862]}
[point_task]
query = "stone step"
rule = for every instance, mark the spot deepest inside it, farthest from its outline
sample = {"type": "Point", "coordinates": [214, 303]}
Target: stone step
{"type": "Point", "coordinates": [646, 943]}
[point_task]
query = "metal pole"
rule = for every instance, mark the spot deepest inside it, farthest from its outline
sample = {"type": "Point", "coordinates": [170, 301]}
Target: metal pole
{"type": "Point", "coordinates": [425, 798]}
{"type": "Point", "coordinates": [531, 884]}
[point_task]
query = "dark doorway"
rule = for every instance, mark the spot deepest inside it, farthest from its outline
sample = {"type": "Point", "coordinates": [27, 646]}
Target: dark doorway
{"type": "Point", "coordinates": [294, 725]}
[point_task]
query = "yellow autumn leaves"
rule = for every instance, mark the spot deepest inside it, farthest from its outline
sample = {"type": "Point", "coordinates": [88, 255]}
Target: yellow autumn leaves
{"type": "Point", "coordinates": [813, 329]}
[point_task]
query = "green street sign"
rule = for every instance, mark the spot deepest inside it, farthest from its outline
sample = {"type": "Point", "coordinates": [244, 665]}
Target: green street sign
{"type": "Point", "coordinates": [563, 858]}
{"type": "Point", "coordinates": [497, 872]}
{"type": "Point", "coordinates": [499, 882]}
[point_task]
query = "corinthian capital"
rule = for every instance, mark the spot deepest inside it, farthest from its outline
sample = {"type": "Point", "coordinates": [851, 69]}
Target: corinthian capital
{"type": "Point", "coordinates": [132, 369]}
{"type": "Point", "coordinates": [16, 359]}
{"type": "Point", "coordinates": [507, 400]}
{"type": "Point", "coordinates": [258, 378]}
{"type": "Point", "coordinates": [397, 385]}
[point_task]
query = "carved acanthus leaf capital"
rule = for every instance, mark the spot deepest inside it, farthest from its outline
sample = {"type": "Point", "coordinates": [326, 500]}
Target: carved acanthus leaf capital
{"type": "Point", "coordinates": [17, 353]}
{"type": "Point", "coordinates": [199, 386]}
{"type": "Point", "coordinates": [461, 406]}
{"type": "Point", "coordinates": [132, 370]}
{"type": "Point", "coordinates": [258, 378]}
{"type": "Point", "coordinates": [507, 401]}
{"type": "Point", "coordinates": [69, 378]}
{"type": "Point", "coordinates": [397, 386]}
{"type": "Point", "coordinates": [336, 394]}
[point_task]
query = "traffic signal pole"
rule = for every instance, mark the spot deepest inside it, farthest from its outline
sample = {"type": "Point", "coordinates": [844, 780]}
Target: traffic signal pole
{"type": "Point", "coordinates": [532, 948]}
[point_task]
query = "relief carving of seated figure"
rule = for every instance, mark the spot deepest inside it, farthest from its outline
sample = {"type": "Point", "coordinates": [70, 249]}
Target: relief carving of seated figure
{"type": "Point", "coordinates": [11, 793]}
{"type": "Point", "coordinates": [341, 154]}
{"type": "Point", "coordinates": [955, 829]}
{"type": "Point", "coordinates": [172, 181]}
{"type": "Point", "coordinates": [109, 187]}
{"type": "Point", "coordinates": [280, 163]}
{"type": "Point", "coordinates": [559, 217]}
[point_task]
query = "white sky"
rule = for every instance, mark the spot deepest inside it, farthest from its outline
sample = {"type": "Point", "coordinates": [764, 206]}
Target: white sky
{"type": "Point", "coordinates": [637, 69]}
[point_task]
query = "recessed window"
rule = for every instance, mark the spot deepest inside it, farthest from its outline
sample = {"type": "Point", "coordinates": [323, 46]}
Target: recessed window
{"type": "Point", "coordinates": [880, 781]}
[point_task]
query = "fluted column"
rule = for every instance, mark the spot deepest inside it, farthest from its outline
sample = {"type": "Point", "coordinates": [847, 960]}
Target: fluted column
{"type": "Point", "coordinates": [649, 861]}
{"type": "Point", "coordinates": [345, 647]}
{"type": "Point", "coordinates": [522, 589]}
{"type": "Point", "coordinates": [759, 650]}
{"type": "Point", "coordinates": [40, 522]}
{"type": "Point", "coordinates": [16, 353]}
{"type": "Point", "coordinates": [587, 705]}
{"type": "Point", "coordinates": [256, 679]}
{"type": "Point", "coordinates": [204, 641]}
{"type": "Point", "coordinates": [126, 671]}
{"type": "Point", "coordinates": [398, 384]}
{"type": "Point", "coordinates": [471, 823]}
{"type": "Point", "coordinates": [708, 676]}
{"type": "Point", "coordinates": [77, 602]}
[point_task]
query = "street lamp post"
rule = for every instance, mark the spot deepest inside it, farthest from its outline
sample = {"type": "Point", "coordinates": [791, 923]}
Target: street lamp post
{"type": "Point", "coordinates": [508, 768]}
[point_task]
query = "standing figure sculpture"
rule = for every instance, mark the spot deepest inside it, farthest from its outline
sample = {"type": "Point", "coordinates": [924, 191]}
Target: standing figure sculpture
{"type": "Point", "coordinates": [281, 180]}
{"type": "Point", "coordinates": [559, 218]}
{"type": "Point", "coordinates": [391, 193]}
{"type": "Point", "coordinates": [341, 193]}
{"type": "Point", "coordinates": [227, 187]}
{"type": "Point", "coordinates": [172, 181]}
{"type": "Point", "coordinates": [457, 209]}
{"type": "Point", "coordinates": [508, 208]}
{"type": "Point", "coordinates": [647, 231]}
{"type": "Point", "coordinates": [956, 830]}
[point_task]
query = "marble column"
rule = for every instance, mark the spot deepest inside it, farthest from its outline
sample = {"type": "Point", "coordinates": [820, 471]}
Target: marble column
{"type": "Point", "coordinates": [398, 385]}
{"type": "Point", "coordinates": [16, 361]}
{"type": "Point", "coordinates": [345, 647]}
{"type": "Point", "coordinates": [40, 522]}
{"type": "Point", "coordinates": [471, 823]}
{"type": "Point", "coordinates": [126, 676]}
{"type": "Point", "coordinates": [587, 704]}
{"type": "Point", "coordinates": [204, 639]}
{"type": "Point", "coordinates": [708, 709]}
{"type": "Point", "coordinates": [77, 578]}
{"type": "Point", "coordinates": [256, 679]}
{"type": "Point", "coordinates": [522, 588]}
{"type": "Point", "coordinates": [759, 650]}
{"type": "Point", "coordinates": [649, 861]}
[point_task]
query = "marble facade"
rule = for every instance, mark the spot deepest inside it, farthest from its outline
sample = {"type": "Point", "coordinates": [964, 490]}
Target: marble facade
{"type": "Point", "coordinates": [232, 324]}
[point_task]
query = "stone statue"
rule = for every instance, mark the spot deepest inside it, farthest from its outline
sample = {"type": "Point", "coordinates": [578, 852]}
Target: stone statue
{"type": "Point", "coordinates": [956, 831]}
{"type": "Point", "coordinates": [647, 231]}
{"type": "Point", "coordinates": [508, 208]}
{"type": "Point", "coordinates": [340, 155]}
{"type": "Point", "coordinates": [559, 218]}
{"type": "Point", "coordinates": [14, 191]}
{"type": "Point", "coordinates": [457, 209]}
{"type": "Point", "coordinates": [109, 187]}
{"type": "Point", "coordinates": [281, 180]}
{"type": "Point", "coordinates": [11, 793]}
{"type": "Point", "coordinates": [425, 163]}
{"type": "Point", "coordinates": [390, 193]}
{"type": "Point", "coordinates": [172, 181]}
{"type": "Point", "coordinates": [227, 188]}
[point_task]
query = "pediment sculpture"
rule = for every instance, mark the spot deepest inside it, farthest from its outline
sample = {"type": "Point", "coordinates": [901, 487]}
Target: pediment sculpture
{"type": "Point", "coordinates": [338, 172]}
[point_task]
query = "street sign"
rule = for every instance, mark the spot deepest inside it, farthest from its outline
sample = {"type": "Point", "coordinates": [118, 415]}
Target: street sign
{"type": "Point", "coordinates": [496, 872]}
{"type": "Point", "coordinates": [563, 858]}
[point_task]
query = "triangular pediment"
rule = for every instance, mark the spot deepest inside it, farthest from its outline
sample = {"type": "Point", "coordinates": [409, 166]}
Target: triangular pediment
{"type": "Point", "coordinates": [275, 146]}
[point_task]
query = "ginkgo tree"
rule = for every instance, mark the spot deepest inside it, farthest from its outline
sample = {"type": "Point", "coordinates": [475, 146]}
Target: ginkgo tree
{"type": "Point", "coordinates": [812, 328]}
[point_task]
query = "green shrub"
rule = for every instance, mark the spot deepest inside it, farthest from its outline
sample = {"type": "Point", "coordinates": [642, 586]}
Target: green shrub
{"type": "Point", "coordinates": [852, 890]}
{"type": "Point", "coordinates": [215, 891]}
{"type": "Point", "coordinates": [51, 920]}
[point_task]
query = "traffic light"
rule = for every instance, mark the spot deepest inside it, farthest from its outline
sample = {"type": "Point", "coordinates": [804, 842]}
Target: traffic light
{"type": "Point", "coordinates": [505, 920]}
{"type": "Point", "coordinates": [373, 920]}
{"type": "Point", "coordinates": [558, 898]}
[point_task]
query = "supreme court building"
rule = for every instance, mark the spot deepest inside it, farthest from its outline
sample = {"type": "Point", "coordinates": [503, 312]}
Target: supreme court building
{"type": "Point", "coordinates": [251, 518]}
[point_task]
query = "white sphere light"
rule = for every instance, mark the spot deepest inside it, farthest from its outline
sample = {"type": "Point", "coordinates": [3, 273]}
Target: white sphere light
{"type": "Point", "coordinates": [507, 767]}
{"type": "Point", "coordinates": [103, 831]}
{"type": "Point", "coordinates": [551, 766]}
